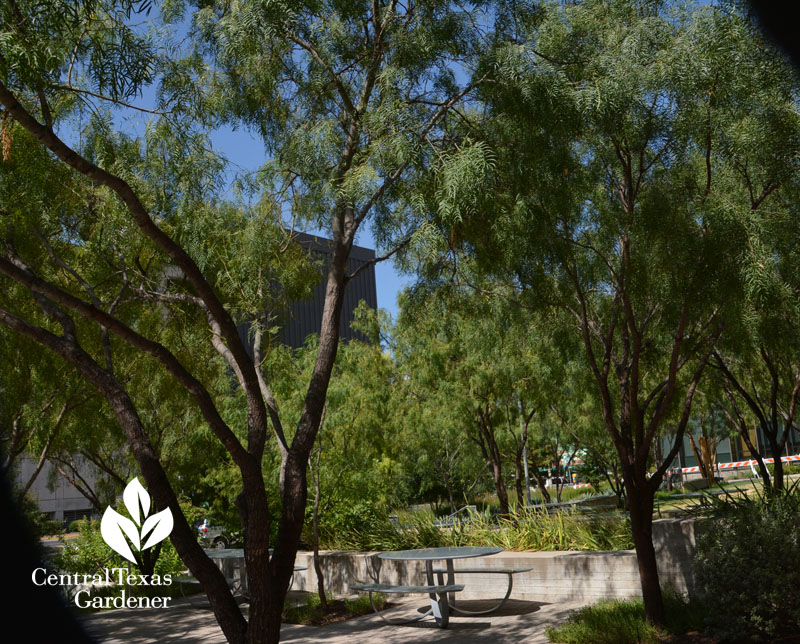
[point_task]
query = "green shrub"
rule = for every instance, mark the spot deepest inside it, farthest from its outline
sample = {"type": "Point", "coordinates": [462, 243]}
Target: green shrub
{"type": "Point", "coordinates": [665, 495]}
{"type": "Point", "coordinates": [567, 494]}
{"type": "Point", "coordinates": [303, 613]}
{"type": "Point", "coordinates": [52, 528]}
{"type": "Point", "coordinates": [88, 554]}
{"type": "Point", "coordinates": [359, 525]}
{"type": "Point", "coordinates": [747, 566]}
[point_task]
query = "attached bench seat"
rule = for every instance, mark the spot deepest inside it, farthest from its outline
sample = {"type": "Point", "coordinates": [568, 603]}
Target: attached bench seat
{"type": "Point", "coordinates": [408, 590]}
{"type": "Point", "coordinates": [480, 571]}
{"type": "Point", "coordinates": [439, 607]}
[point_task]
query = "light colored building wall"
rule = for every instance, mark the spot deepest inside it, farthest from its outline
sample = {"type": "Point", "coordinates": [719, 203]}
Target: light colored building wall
{"type": "Point", "coordinates": [63, 497]}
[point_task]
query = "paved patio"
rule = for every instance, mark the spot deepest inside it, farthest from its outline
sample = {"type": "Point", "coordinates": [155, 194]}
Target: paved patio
{"type": "Point", "coordinates": [191, 621]}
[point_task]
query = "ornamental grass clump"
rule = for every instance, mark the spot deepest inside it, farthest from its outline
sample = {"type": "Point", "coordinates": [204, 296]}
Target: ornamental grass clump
{"type": "Point", "coordinates": [521, 530]}
{"type": "Point", "coordinates": [537, 530]}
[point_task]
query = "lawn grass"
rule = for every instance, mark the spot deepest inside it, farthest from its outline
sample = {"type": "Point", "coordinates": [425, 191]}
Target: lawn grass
{"type": "Point", "coordinates": [623, 622]}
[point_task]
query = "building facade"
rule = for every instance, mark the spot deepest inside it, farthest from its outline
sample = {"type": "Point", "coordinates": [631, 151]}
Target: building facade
{"type": "Point", "coordinates": [305, 317]}
{"type": "Point", "coordinates": [733, 449]}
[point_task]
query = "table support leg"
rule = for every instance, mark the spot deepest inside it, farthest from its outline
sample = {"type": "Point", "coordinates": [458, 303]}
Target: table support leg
{"type": "Point", "coordinates": [451, 597]}
{"type": "Point", "coordinates": [439, 604]}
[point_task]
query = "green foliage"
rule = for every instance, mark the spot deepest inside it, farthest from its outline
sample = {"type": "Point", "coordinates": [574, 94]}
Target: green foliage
{"type": "Point", "coordinates": [193, 513]}
{"type": "Point", "coordinates": [623, 622]}
{"type": "Point", "coordinates": [88, 552]}
{"type": "Point", "coordinates": [473, 365]}
{"type": "Point", "coordinates": [355, 525]}
{"type": "Point", "coordinates": [533, 530]}
{"type": "Point", "coordinates": [364, 528]}
{"type": "Point", "coordinates": [791, 468]}
{"type": "Point", "coordinates": [745, 566]}
{"type": "Point", "coordinates": [96, 35]}
{"type": "Point", "coordinates": [51, 528]}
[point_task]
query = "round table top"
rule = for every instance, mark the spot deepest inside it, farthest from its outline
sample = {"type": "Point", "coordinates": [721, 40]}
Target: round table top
{"type": "Point", "coordinates": [440, 553]}
{"type": "Point", "coordinates": [225, 553]}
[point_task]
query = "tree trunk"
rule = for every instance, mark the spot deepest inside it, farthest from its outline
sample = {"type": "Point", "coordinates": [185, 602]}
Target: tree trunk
{"type": "Point", "coordinates": [491, 454]}
{"type": "Point", "coordinates": [777, 472]}
{"type": "Point", "coordinates": [766, 478]}
{"type": "Point", "coordinates": [450, 495]}
{"type": "Point", "coordinates": [271, 577]}
{"type": "Point", "coordinates": [266, 629]}
{"type": "Point", "coordinates": [519, 479]}
{"type": "Point", "coordinates": [705, 455]}
{"type": "Point", "coordinates": [640, 502]}
{"type": "Point", "coordinates": [533, 467]}
{"type": "Point", "coordinates": [323, 600]}
{"type": "Point", "coordinates": [265, 611]}
{"type": "Point", "coordinates": [499, 486]}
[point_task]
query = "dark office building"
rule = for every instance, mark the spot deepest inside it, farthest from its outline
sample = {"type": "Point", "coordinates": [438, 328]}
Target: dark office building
{"type": "Point", "coordinates": [305, 317]}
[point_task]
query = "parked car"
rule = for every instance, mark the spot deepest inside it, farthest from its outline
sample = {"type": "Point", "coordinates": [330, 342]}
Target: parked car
{"type": "Point", "coordinates": [211, 536]}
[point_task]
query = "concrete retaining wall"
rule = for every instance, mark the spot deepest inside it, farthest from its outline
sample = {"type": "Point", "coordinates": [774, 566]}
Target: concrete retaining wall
{"type": "Point", "coordinates": [555, 576]}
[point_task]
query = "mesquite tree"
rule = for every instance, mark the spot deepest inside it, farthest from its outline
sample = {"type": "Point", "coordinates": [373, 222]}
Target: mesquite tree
{"type": "Point", "coordinates": [120, 252]}
{"type": "Point", "coordinates": [758, 367]}
{"type": "Point", "coordinates": [629, 146]}
{"type": "Point", "coordinates": [469, 355]}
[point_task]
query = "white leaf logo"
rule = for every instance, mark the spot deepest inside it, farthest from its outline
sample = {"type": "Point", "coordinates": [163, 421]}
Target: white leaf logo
{"type": "Point", "coordinates": [134, 495]}
{"type": "Point", "coordinates": [161, 525]}
{"type": "Point", "coordinates": [114, 527]}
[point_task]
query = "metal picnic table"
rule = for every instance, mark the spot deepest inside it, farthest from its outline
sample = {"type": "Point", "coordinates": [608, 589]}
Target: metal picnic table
{"type": "Point", "coordinates": [441, 594]}
{"type": "Point", "coordinates": [233, 561]}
